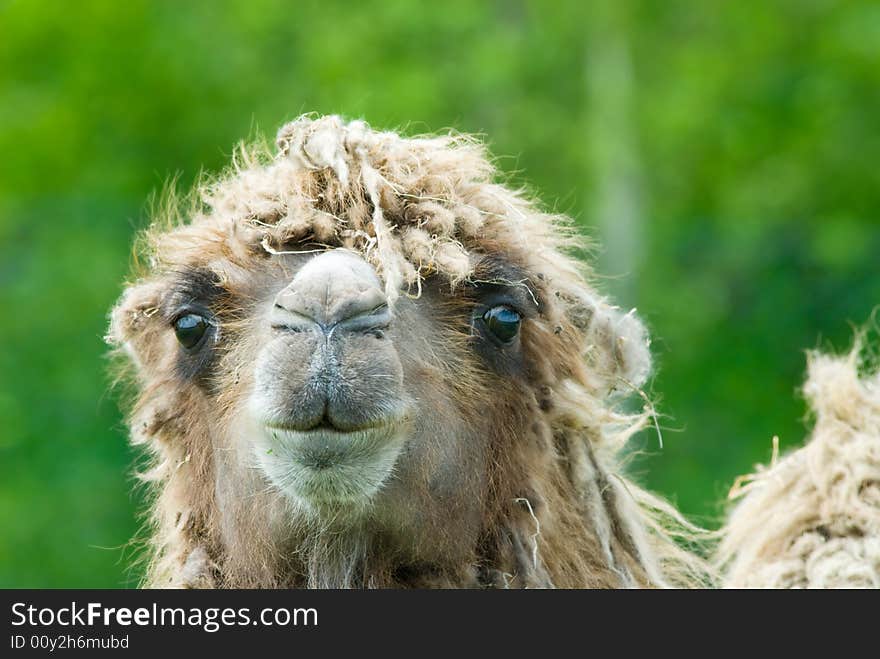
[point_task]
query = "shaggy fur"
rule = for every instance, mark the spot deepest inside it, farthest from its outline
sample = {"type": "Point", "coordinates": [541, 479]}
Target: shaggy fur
{"type": "Point", "coordinates": [535, 496]}
{"type": "Point", "coordinates": [812, 519]}
{"type": "Point", "coordinates": [554, 509]}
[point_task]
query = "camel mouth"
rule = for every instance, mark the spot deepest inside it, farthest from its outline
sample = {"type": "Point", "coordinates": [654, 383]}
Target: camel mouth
{"type": "Point", "coordinates": [325, 465]}
{"type": "Point", "coordinates": [328, 425]}
{"type": "Point", "coordinates": [321, 448]}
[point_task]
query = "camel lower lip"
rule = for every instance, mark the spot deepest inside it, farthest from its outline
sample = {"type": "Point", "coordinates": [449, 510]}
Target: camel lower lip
{"type": "Point", "coordinates": [328, 467]}
{"type": "Point", "coordinates": [322, 447]}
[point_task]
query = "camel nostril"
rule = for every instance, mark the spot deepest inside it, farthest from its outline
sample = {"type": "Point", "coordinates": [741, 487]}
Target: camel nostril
{"type": "Point", "coordinates": [282, 323]}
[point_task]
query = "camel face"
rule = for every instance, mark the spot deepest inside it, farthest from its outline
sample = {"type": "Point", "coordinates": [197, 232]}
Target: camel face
{"type": "Point", "coordinates": [328, 398]}
{"type": "Point", "coordinates": [357, 406]}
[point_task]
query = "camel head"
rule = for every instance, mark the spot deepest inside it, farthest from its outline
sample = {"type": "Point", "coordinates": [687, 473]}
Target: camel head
{"type": "Point", "coordinates": [360, 360]}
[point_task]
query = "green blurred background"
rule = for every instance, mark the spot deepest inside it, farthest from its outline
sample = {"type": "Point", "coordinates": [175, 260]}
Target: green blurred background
{"type": "Point", "coordinates": [725, 154]}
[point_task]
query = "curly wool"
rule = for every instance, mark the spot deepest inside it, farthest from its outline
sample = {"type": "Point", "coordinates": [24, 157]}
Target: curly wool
{"type": "Point", "coordinates": [812, 519]}
{"type": "Point", "coordinates": [405, 235]}
{"type": "Point", "coordinates": [412, 207]}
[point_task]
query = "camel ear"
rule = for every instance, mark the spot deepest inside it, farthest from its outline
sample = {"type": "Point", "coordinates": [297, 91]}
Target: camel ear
{"type": "Point", "coordinates": [131, 317]}
{"type": "Point", "coordinates": [617, 344]}
{"type": "Point", "coordinates": [631, 345]}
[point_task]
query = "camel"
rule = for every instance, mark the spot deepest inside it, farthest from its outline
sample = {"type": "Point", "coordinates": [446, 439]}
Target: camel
{"type": "Point", "coordinates": [358, 360]}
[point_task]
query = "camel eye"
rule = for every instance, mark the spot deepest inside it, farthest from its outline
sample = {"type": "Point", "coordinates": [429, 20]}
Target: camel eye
{"type": "Point", "coordinates": [190, 329]}
{"type": "Point", "coordinates": [503, 322]}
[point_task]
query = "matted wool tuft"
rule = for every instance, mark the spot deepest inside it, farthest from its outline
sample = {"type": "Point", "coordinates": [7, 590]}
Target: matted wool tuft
{"type": "Point", "coordinates": [812, 519]}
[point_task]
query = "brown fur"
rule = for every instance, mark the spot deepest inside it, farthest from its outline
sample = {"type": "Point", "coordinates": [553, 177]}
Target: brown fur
{"type": "Point", "coordinates": [539, 502]}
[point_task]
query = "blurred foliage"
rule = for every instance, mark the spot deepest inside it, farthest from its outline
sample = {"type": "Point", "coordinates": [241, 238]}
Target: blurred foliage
{"type": "Point", "coordinates": [747, 132]}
